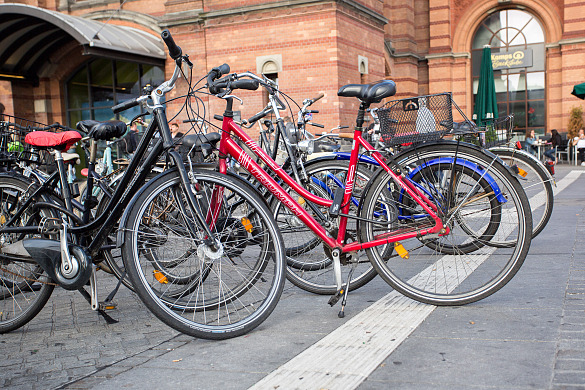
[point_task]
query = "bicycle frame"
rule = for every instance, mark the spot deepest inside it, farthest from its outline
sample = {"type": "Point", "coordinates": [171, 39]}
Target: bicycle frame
{"type": "Point", "coordinates": [228, 146]}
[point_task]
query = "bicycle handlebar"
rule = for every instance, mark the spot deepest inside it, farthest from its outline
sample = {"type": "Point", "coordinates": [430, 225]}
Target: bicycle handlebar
{"type": "Point", "coordinates": [174, 51]}
{"type": "Point", "coordinates": [125, 105]}
{"type": "Point", "coordinates": [213, 75]}
{"type": "Point", "coordinates": [320, 96]}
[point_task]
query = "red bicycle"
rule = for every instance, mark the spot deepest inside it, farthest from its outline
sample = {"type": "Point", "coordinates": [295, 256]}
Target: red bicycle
{"type": "Point", "coordinates": [435, 235]}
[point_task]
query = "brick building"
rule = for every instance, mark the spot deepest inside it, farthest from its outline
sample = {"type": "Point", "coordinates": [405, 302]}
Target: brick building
{"type": "Point", "coordinates": [310, 46]}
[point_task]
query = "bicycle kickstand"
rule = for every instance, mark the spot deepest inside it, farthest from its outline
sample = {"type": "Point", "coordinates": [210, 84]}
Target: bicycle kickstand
{"type": "Point", "coordinates": [341, 313]}
{"type": "Point", "coordinates": [341, 292]}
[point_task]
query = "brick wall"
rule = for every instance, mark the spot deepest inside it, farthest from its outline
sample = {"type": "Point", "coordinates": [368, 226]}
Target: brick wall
{"type": "Point", "coordinates": [319, 42]}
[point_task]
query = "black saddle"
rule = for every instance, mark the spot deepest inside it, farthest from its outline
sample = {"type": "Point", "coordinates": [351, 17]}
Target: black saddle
{"type": "Point", "coordinates": [369, 93]}
{"type": "Point", "coordinates": [329, 148]}
{"type": "Point", "coordinates": [200, 139]}
{"type": "Point", "coordinates": [102, 130]}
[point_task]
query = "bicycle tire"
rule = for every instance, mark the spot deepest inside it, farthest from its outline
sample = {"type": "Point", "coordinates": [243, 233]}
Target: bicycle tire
{"type": "Point", "coordinates": [248, 285]}
{"type": "Point", "coordinates": [309, 266]}
{"type": "Point", "coordinates": [24, 286]}
{"type": "Point", "coordinates": [428, 275]}
{"type": "Point", "coordinates": [538, 185]}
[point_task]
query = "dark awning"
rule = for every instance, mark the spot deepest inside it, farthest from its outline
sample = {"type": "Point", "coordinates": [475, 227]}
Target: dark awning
{"type": "Point", "coordinates": [29, 35]}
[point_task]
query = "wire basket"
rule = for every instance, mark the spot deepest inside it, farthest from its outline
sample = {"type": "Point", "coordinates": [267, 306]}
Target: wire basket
{"type": "Point", "coordinates": [12, 146]}
{"type": "Point", "coordinates": [497, 132]}
{"type": "Point", "coordinates": [418, 119]}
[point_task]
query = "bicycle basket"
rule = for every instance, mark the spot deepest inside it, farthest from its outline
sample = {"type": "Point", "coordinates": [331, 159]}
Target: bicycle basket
{"type": "Point", "coordinates": [418, 119]}
{"type": "Point", "coordinates": [497, 132]}
{"type": "Point", "coordinates": [12, 145]}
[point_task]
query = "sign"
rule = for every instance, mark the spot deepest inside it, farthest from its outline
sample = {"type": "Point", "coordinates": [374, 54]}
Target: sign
{"type": "Point", "coordinates": [512, 59]}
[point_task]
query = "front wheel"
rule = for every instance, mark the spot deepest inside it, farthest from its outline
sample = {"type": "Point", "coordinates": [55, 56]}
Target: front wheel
{"type": "Point", "coordinates": [195, 290]}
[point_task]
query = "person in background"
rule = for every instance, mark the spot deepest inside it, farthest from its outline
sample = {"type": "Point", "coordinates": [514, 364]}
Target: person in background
{"type": "Point", "coordinates": [131, 138]}
{"type": "Point", "coordinates": [175, 131]}
{"type": "Point", "coordinates": [555, 141]}
{"type": "Point", "coordinates": [579, 142]}
{"type": "Point", "coordinates": [529, 142]}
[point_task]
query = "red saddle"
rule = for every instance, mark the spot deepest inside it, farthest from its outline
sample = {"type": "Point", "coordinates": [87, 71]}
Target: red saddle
{"type": "Point", "coordinates": [45, 139]}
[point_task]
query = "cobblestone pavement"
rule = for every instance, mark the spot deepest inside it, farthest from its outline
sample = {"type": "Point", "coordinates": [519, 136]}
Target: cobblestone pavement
{"type": "Point", "coordinates": [68, 340]}
{"type": "Point", "coordinates": [530, 335]}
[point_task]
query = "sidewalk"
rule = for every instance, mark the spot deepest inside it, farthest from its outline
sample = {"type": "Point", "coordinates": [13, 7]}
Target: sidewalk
{"type": "Point", "coordinates": [531, 334]}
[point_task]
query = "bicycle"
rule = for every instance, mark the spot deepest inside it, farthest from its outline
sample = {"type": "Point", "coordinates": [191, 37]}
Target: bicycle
{"type": "Point", "coordinates": [226, 272]}
{"type": "Point", "coordinates": [432, 211]}
{"type": "Point", "coordinates": [309, 267]}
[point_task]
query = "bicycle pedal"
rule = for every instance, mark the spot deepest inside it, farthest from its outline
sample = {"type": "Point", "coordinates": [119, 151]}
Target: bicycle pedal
{"type": "Point", "coordinates": [336, 205]}
{"type": "Point", "coordinates": [104, 306]}
{"type": "Point", "coordinates": [335, 298]}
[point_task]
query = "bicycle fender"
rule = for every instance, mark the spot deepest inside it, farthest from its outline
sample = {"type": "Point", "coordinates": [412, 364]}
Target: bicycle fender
{"type": "Point", "coordinates": [361, 158]}
{"type": "Point", "coordinates": [530, 156]}
{"type": "Point", "coordinates": [468, 164]}
{"type": "Point", "coordinates": [487, 152]}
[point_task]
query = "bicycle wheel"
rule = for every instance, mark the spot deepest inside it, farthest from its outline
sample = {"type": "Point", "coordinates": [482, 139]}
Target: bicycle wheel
{"type": "Point", "coordinates": [24, 286]}
{"type": "Point", "coordinates": [536, 182]}
{"type": "Point", "coordinates": [442, 270]}
{"type": "Point", "coordinates": [212, 295]}
{"type": "Point", "coordinates": [309, 262]}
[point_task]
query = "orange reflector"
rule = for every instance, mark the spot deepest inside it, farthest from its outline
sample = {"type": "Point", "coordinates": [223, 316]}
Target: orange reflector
{"type": "Point", "coordinates": [402, 252]}
{"type": "Point", "coordinates": [160, 277]}
{"type": "Point", "coordinates": [522, 172]}
{"type": "Point", "coordinates": [301, 201]}
{"type": "Point", "coordinates": [2, 220]}
{"type": "Point", "coordinates": [247, 224]}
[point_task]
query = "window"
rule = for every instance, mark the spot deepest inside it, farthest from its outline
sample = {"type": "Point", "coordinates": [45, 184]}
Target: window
{"type": "Point", "coordinates": [518, 35]}
{"type": "Point", "coordinates": [102, 83]}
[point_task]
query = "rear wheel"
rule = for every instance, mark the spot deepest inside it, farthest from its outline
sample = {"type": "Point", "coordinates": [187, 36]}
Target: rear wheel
{"type": "Point", "coordinates": [445, 269]}
{"type": "Point", "coordinates": [536, 182]}
{"type": "Point", "coordinates": [24, 286]}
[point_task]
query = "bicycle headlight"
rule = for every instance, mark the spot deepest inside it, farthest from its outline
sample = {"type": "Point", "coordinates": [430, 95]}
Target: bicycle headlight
{"type": "Point", "coordinates": [306, 146]}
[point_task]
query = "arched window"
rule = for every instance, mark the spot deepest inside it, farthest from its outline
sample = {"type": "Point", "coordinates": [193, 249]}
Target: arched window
{"type": "Point", "coordinates": [102, 83]}
{"type": "Point", "coordinates": [518, 55]}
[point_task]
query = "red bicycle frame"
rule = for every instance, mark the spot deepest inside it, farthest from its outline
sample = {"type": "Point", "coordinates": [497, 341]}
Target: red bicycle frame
{"type": "Point", "coordinates": [228, 146]}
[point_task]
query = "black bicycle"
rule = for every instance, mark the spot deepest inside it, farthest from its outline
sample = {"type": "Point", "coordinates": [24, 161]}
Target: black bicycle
{"type": "Point", "coordinates": [209, 276]}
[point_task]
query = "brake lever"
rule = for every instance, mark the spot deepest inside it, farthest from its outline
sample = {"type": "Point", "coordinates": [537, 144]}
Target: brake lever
{"type": "Point", "coordinates": [188, 61]}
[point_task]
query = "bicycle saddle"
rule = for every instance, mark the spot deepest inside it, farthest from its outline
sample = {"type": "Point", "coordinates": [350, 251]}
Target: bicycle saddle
{"type": "Point", "coordinates": [330, 148]}
{"type": "Point", "coordinates": [102, 130]}
{"type": "Point", "coordinates": [369, 93]}
{"type": "Point", "coordinates": [46, 139]}
{"type": "Point", "coordinates": [463, 127]}
{"type": "Point", "coordinates": [200, 139]}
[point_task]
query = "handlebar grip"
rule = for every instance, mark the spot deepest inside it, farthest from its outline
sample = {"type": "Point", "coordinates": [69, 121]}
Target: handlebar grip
{"type": "Point", "coordinates": [125, 105]}
{"type": "Point", "coordinates": [317, 125]}
{"type": "Point", "coordinates": [218, 117]}
{"type": "Point", "coordinates": [257, 117]}
{"type": "Point", "coordinates": [174, 50]}
{"type": "Point", "coordinates": [318, 97]}
{"type": "Point", "coordinates": [215, 74]}
{"type": "Point", "coordinates": [224, 69]}
{"type": "Point", "coordinates": [313, 111]}
{"type": "Point", "coordinates": [248, 84]}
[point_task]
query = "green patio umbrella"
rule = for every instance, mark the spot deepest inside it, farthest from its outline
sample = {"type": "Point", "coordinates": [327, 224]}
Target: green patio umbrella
{"type": "Point", "coordinates": [486, 104]}
{"type": "Point", "coordinates": [579, 91]}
